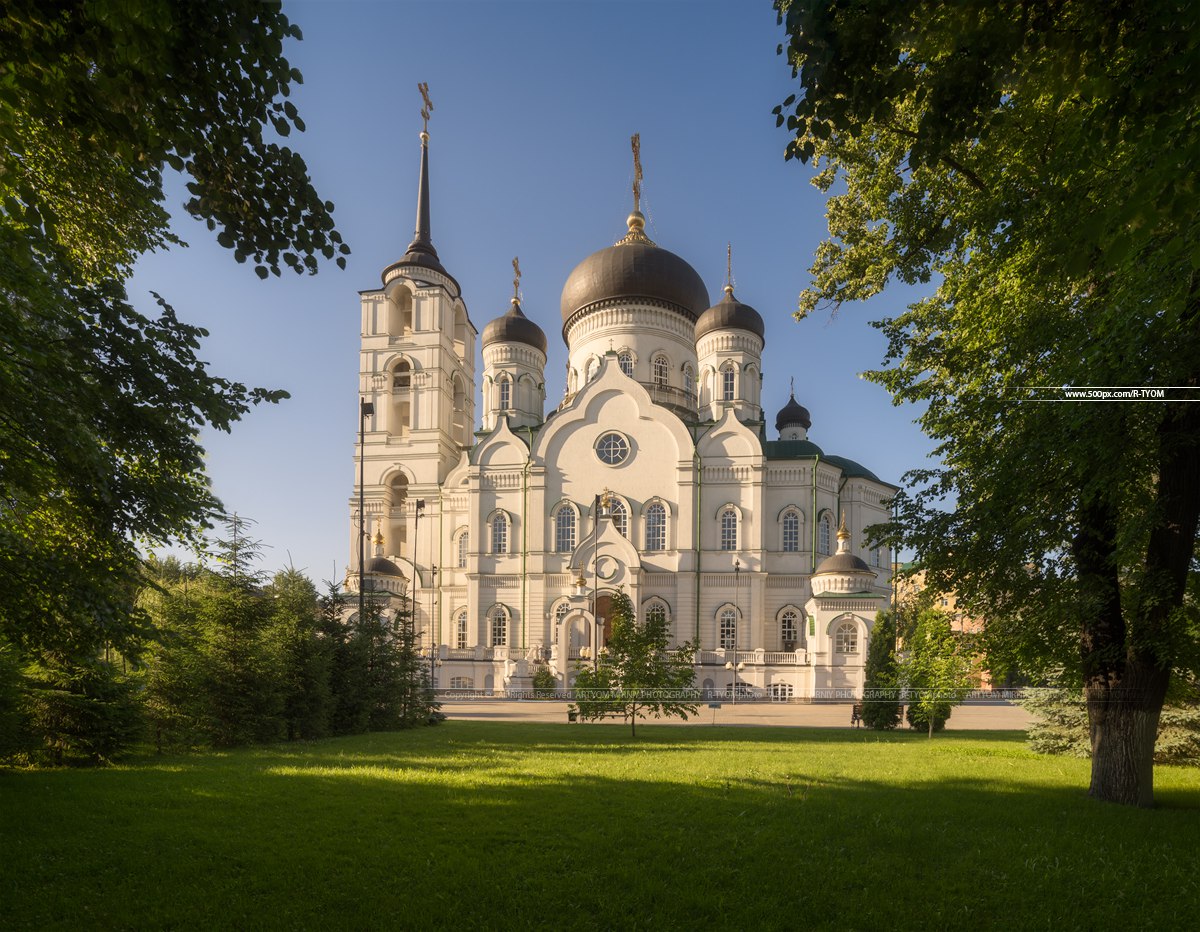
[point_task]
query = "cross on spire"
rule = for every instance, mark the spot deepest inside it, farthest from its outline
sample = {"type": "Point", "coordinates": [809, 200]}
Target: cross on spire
{"type": "Point", "coordinates": [423, 87]}
{"type": "Point", "coordinates": [516, 280]}
{"type": "Point", "coordinates": [636, 142]}
{"type": "Point", "coordinates": [729, 268]}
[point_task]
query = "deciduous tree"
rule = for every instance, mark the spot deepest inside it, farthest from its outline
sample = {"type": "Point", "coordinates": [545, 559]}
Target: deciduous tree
{"type": "Point", "coordinates": [1034, 164]}
{"type": "Point", "coordinates": [638, 675]}
{"type": "Point", "coordinates": [101, 405]}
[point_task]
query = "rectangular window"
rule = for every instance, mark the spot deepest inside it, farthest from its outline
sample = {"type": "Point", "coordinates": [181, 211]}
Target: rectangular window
{"type": "Point", "coordinates": [728, 631]}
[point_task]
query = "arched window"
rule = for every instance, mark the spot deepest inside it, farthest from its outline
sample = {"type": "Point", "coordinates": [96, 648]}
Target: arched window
{"type": "Point", "coordinates": [876, 556]}
{"type": "Point", "coordinates": [656, 527]}
{"type": "Point", "coordinates": [625, 361]}
{"type": "Point", "coordinates": [500, 534]}
{"type": "Point", "coordinates": [402, 374]}
{"type": "Point", "coordinates": [505, 394]}
{"type": "Point", "coordinates": [560, 612]}
{"type": "Point", "coordinates": [460, 630]}
{"type": "Point", "coordinates": [727, 382]}
{"type": "Point", "coordinates": [660, 367]}
{"type": "Point", "coordinates": [620, 517]}
{"type": "Point", "coordinates": [789, 630]}
{"type": "Point", "coordinates": [499, 627]}
{"type": "Point", "coordinates": [564, 529]}
{"type": "Point", "coordinates": [845, 639]}
{"type": "Point", "coordinates": [657, 613]}
{"type": "Point", "coordinates": [462, 549]}
{"type": "Point", "coordinates": [729, 629]}
{"type": "Point", "coordinates": [825, 533]}
{"type": "Point", "coordinates": [791, 531]}
{"type": "Point", "coordinates": [590, 369]}
{"type": "Point", "coordinates": [728, 529]}
{"type": "Point", "coordinates": [689, 381]}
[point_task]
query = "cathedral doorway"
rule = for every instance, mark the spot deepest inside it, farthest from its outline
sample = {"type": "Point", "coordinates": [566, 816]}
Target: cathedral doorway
{"type": "Point", "coordinates": [604, 618]}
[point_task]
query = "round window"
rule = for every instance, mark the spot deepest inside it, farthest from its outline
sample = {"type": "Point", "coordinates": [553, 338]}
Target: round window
{"type": "Point", "coordinates": [612, 449]}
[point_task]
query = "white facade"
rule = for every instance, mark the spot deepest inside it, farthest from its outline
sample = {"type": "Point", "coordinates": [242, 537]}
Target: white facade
{"type": "Point", "coordinates": [730, 534]}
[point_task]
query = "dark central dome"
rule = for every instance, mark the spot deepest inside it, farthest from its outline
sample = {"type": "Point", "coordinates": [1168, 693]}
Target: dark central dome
{"type": "Point", "coordinates": [634, 268]}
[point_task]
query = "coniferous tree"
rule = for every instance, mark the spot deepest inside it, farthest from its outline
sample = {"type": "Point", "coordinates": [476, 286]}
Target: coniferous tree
{"type": "Point", "coordinates": [303, 657]}
{"type": "Point", "coordinates": [881, 705]}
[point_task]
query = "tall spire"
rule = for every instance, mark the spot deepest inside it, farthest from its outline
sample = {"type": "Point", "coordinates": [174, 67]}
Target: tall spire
{"type": "Point", "coordinates": [422, 241]}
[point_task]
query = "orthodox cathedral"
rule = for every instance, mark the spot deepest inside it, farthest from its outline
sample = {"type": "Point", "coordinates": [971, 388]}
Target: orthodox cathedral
{"type": "Point", "coordinates": [655, 474]}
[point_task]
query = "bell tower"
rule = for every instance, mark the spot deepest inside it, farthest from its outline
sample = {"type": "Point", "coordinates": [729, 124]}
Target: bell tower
{"type": "Point", "coordinates": [417, 378]}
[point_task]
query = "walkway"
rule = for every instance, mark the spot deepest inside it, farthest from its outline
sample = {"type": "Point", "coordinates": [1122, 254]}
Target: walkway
{"type": "Point", "coordinates": [998, 716]}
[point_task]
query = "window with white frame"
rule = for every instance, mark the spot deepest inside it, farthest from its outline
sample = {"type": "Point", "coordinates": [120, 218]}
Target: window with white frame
{"type": "Point", "coordinates": [560, 612]}
{"type": "Point", "coordinates": [876, 557]}
{"type": "Point", "coordinates": [660, 367]}
{"type": "Point", "coordinates": [462, 682]}
{"type": "Point", "coordinates": [728, 631]}
{"type": "Point", "coordinates": [791, 531]}
{"type": "Point", "coordinates": [620, 517]}
{"type": "Point", "coordinates": [499, 627]}
{"type": "Point", "coordinates": [656, 527]}
{"type": "Point", "coordinates": [728, 529]}
{"type": "Point", "coordinates": [689, 381]}
{"type": "Point", "coordinates": [625, 361]}
{"type": "Point", "coordinates": [825, 533]}
{"type": "Point", "coordinates": [782, 692]}
{"type": "Point", "coordinates": [789, 630]}
{"type": "Point", "coordinates": [460, 630]}
{"type": "Point", "coordinates": [845, 639]}
{"type": "Point", "coordinates": [464, 549]}
{"type": "Point", "coordinates": [657, 613]}
{"type": "Point", "coordinates": [500, 534]}
{"type": "Point", "coordinates": [590, 369]}
{"type": "Point", "coordinates": [727, 382]}
{"type": "Point", "coordinates": [564, 529]}
{"type": "Point", "coordinates": [505, 394]}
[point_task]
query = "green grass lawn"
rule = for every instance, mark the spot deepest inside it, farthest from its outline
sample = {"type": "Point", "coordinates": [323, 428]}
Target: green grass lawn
{"type": "Point", "coordinates": [505, 826]}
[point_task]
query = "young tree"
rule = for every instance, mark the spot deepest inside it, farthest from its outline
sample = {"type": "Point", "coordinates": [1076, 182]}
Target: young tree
{"type": "Point", "coordinates": [100, 405]}
{"type": "Point", "coordinates": [1031, 158]}
{"type": "Point", "coordinates": [937, 668]}
{"type": "Point", "coordinates": [637, 674]}
{"type": "Point", "coordinates": [881, 705]}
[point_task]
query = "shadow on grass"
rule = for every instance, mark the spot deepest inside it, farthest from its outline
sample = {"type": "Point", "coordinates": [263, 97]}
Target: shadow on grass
{"type": "Point", "coordinates": [540, 826]}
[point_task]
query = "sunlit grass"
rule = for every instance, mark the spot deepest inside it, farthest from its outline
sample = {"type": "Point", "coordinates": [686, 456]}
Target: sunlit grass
{"type": "Point", "coordinates": [490, 825]}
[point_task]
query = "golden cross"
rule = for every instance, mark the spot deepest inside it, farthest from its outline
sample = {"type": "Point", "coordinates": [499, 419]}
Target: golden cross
{"type": "Point", "coordinates": [517, 278]}
{"type": "Point", "coordinates": [636, 141]}
{"type": "Point", "coordinates": [729, 264]}
{"type": "Point", "coordinates": [428, 108]}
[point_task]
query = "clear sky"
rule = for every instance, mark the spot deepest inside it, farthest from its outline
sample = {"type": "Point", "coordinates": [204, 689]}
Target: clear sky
{"type": "Point", "coordinates": [529, 156]}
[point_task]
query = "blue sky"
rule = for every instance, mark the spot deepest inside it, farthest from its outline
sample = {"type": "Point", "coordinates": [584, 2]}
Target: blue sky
{"type": "Point", "coordinates": [534, 106]}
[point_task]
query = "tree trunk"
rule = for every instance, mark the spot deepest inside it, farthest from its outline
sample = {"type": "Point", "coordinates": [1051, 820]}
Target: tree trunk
{"type": "Point", "coordinates": [1123, 723]}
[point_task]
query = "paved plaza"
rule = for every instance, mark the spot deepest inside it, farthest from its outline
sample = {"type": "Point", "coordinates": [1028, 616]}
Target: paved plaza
{"type": "Point", "coordinates": [972, 717]}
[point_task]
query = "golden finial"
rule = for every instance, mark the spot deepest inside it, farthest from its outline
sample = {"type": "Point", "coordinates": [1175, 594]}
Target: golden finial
{"type": "Point", "coordinates": [516, 298]}
{"type": "Point", "coordinates": [427, 109]}
{"type": "Point", "coordinates": [729, 269]}
{"type": "Point", "coordinates": [842, 533]}
{"type": "Point", "coordinates": [606, 499]}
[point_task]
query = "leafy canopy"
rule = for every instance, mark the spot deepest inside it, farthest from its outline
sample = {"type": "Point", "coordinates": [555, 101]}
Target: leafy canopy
{"type": "Point", "coordinates": [100, 405]}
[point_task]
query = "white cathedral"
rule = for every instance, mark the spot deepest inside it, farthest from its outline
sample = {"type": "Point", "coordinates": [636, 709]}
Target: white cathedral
{"type": "Point", "coordinates": [654, 475]}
